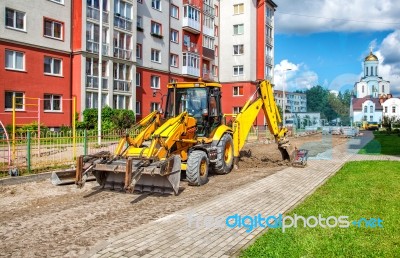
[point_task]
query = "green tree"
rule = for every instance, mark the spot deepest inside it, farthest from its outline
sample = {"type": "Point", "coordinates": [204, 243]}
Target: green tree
{"type": "Point", "coordinates": [123, 119]}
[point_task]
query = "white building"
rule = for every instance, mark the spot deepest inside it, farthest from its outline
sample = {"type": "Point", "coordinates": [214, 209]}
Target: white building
{"type": "Point", "coordinates": [293, 101]}
{"type": "Point", "coordinates": [391, 108]}
{"type": "Point", "coordinates": [366, 105]}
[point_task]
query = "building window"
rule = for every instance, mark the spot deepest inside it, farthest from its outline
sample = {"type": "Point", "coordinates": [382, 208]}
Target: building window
{"type": "Point", "coordinates": [238, 49]}
{"type": "Point", "coordinates": [386, 108]}
{"type": "Point", "coordinates": [383, 88]}
{"type": "Point", "coordinates": [376, 70]}
{"type": "Point", "coordinates": [238, 91]}
{"type": "Point", "coordinates": [138, 108]}
{"type": "Point", "coordinates": [138, 79]}
{"type": "Point", "coordinates": [236, 110]}
{"type": "Point", "coordinates": [19, 100]}
{"type": "Point", "coordinates": [92, 100]}
{"type": "Point", "coordinates": [52, 66]}
{"type": "Point", "coordinates": [156, 55]}
{"type": "Point", "coordinates": [154, 106]}
{"type": "Point", "coordinates": [371, 109]}
{"type": "Point", "coordinates": [175, 11]}
{"type": "Point", "coordinates": [191, 13]}
{"type": "Point", "coordinates": [216, 10]}
{"type": "Point", "coordinates": [366, 71]}
{"type": "Point", "coordinates": [139, 51]}
{"type": "Point", "coordinates": [155, 82]}
{"type": "Point", "coordinates": [238, 29]}
{"type": "Point", "coordinates": [208, 42]}
{"type": "Point", "coordinates": [53, 29]}
{"type": "Point", "coordinates": [238, 8]}
{"type": "Point", "coordinates": [365, 109]}
{"type": "Point", "coordinates": [121, 101]}
{"type": "Point", "coordinates": [139, 1]}
{"type": "Point", "coordinates": [52, 102]}
{"type": "Point", "coordinates": [155, 28]}
{"type": "Point", "coordinates": [362, 89]}
{"type": "Point", "coordinates": [371, 118]}
{"type": "Point", "coordinates": [393, 109]}
{"type": "Point", "coordinates": [372, 71]}
{"type": "Point", "coordinates": [139, 22]}
{"type": "Point", "coordinates": [156, 4]}
{"type": "Point", "coordinates": [174, 36]}
{"type": "Point", "coordinates": [174, 60]}
{"type": "Point", "coordinates": [238, 70]}
{"type": "Point", "coordinates": [15, 19]}
{"type": "Point", "coordinates": [15, 60]}
{"type": "Point", "coordinates": [215, 70]}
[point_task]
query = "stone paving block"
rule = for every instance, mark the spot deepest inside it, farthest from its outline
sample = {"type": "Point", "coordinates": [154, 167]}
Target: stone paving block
{"type": "Point", "coordinates": [275, 194]}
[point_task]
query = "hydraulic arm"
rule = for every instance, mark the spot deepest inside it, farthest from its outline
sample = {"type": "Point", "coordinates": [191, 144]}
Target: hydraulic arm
{"type": "Point", "coordinates": [245, 119]}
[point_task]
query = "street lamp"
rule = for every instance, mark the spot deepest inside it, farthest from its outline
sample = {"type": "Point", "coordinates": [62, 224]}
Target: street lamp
{"type": "Point", "coordinates": [283, 94]}
{"type": "Point", "coordinates": [155, 92]}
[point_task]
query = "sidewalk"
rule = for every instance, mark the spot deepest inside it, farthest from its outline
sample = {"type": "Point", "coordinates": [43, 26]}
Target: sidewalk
{"type": "Point", "coordinates": [187, 233]}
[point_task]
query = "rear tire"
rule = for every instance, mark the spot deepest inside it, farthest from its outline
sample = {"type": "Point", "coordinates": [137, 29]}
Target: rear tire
{"type": "Point", "coordinates": [197, 168]}
{"type": "Point", "coordinates": [224, 162]}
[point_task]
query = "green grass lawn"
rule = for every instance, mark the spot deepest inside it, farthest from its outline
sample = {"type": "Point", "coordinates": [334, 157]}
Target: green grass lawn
{"type": "Point", "coordinates": [382, 143]}
{"type": "Point", "coordinates": [369, 189]}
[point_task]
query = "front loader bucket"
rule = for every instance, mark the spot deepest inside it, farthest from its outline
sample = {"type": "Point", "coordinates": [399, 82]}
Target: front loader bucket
{"type": "Point", "coordinates": [130, 174]}
{"type": "Point", "coordinates": [288, 151]}
{"type": "Point", "coordinates": [152, 179]}
{"type": "Point", "coordinates": [66, 177]}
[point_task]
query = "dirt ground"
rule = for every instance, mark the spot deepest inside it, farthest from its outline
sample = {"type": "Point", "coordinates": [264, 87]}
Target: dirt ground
{"type": "Point", "coordinates": [41, 220]}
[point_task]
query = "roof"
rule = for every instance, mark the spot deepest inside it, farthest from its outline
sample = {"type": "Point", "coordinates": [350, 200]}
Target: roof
{"type": "Point", "coordinates": [357, 103]}
{"type": "Point", "coordinates": [371, 57]}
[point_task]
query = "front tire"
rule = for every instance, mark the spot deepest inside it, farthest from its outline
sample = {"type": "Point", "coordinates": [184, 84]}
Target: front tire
{"type": "Point", "coordinates": [224, 162]}
{"type": "Point", "coordinates": [197, 168]}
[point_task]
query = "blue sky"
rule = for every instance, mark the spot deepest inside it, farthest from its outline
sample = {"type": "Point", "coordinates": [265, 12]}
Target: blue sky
{"type": "Point", "coordinates": [324, 42]}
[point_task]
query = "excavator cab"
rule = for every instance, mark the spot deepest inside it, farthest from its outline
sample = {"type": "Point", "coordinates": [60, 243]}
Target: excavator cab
{"type": "Point", "coordinates": [201, 103]}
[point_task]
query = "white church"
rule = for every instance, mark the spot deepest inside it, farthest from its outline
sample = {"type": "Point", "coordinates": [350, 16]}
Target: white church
{"type": "Point", "coordinates": [372, 98]}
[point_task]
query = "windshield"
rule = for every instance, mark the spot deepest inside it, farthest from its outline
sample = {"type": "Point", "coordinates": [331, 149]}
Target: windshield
{"type": "Point", "coordinates": [192, 100]}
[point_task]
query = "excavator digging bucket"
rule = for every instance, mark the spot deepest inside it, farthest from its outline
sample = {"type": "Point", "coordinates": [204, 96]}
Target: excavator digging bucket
{"type": "Point", "coordinates": [288, 152]}
{"type": "Point", "coordinates": [129, 175]}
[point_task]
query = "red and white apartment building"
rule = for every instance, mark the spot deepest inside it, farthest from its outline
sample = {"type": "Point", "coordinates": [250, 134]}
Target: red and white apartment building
{"type": "Point", "coordinates": [51, 51]}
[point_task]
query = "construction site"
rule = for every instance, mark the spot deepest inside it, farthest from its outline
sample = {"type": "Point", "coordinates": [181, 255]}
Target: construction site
{"type": "Point", "coordinates": [43, 220]}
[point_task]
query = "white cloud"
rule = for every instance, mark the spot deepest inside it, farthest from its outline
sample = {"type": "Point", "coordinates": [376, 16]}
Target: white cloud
{"type": "Point", "coordinates": [293, 76]}
{"type": "Point", "coordinates": [311, 16]}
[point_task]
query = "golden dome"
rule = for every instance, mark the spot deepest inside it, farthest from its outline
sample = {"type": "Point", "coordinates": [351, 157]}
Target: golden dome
{"type": "Point", "coordinates": [371, 57]}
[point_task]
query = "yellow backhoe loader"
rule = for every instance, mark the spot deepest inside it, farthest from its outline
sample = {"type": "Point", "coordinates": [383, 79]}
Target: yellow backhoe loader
{"type": "Point", "coordinates": [190, 135]}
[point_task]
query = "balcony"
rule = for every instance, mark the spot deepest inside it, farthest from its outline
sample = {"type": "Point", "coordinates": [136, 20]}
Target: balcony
{"type": "Point", "coordinates": [122, 53]}
{"type": "Point", "coordinates": [268, 59]}
{"type": "Point", "coordinates": [196, 3]}
{"type": "Point", "coordinates": [209, 10]}
{"type": "Point", "coordinates": [269, 21]}
{"type": "Point", "coordinates": [92, 82]}
{"type": "Point", "coordinates": [122, 85]}
{"type": "Point", "coordinates": [191, 48]}
{"type": "Point", "coordinates": [94, 13]}
{"type": "Point", "coordinates": [122, 22]}
{"type": "Point", "coordinates": [208, 54]}
{"type": "Point", "coordinates": [269, 40]}
{"type": "Point", "coordinates": [93, 47]}
{"type": "Point", "coordinates": [208, 31]}
{"type": "Point", "coordinates": [208, 75]}
{"type": "Point", "coordinates": [192, 71]}
{"type": "Point", "coordinates": [191, 25]}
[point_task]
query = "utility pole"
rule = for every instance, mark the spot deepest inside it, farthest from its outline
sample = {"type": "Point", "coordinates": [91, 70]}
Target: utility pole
{"type": "Point", "coordinates": [100, 78]}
